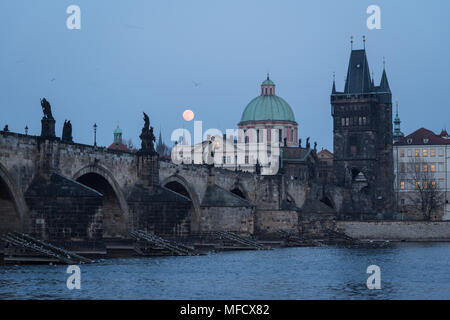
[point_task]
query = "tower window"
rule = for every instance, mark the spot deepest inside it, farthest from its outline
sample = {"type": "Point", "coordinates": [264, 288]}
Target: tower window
{"type": "Point", "coordinates": [402, 185]}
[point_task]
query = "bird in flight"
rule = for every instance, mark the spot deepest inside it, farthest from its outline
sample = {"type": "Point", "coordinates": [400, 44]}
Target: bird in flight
{"type": "Point", "coordinates": [196, 84]}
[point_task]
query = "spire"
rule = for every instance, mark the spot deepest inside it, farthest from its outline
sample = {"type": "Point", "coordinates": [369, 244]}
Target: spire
{"type": "Point", "coordinates": [384, 84]}
{"type": "Point", "coordinates": [333, 90]}
{"type": "Point", "coordinates": [397, 131]}
{"type": "Point", "coordinates": [160, 138]}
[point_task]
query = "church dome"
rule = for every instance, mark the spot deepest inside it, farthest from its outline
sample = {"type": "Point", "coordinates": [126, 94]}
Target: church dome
{"type": "Point", "coordinates": [267, 107]}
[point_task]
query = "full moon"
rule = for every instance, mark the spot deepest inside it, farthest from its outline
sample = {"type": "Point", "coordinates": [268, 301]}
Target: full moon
{"type": "Point", "coordinates": [188, 115]}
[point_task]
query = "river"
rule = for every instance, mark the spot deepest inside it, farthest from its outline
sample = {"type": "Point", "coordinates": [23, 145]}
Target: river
{"type": "Point", "coordinates": [408, 271]}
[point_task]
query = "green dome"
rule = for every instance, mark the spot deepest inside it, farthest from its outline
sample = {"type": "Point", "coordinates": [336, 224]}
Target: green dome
{"type": "Point", "coordinates": [267, 108]}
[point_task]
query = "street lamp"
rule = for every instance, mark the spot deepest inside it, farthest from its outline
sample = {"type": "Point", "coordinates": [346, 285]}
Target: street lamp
{"type": "Point", "coordinates": [95, 134]}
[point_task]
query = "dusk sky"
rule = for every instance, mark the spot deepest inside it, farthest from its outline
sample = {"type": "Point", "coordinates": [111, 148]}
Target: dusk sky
{"type": "Point", "coordinates": [134, 56]}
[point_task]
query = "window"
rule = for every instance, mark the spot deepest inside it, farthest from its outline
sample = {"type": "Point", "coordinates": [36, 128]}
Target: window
{"type": "Point", "coordinates": [417, 168]}
{"type": "Point", "coordinates": [417, 185]}
{"type": "Point", "coordinates": [425, 168]}
{"type": "Point", "coordinates": [246, 159]}
{"type": "Point", "coordinates": [402, 185]}
{"type": "Point", "coordinates": [425, 184]}
{"type": "Point", "coordinates": [433, 153]}
{"type": "Point", "coordinates": [433, 168]}
{"type": "Point", "coordinates": [257, 135]}
{"type": "Point", "coordinates": [433, 184]}
{"type": "Point", "coordinates": [360, 121]}
{"type": "Point", "coordinates": [224, 159]}
{"type": "Point", "coordinates": [425, 152]}
{"type": "Point", "coordinates": [417, 153]}
{"type": "Point", "coordinates": [280, 135]}
{"type": "Point", "coordinates": [343, 122]}
{"type": "Point", "coordinates": [402, 167]}
{"type": "Point", "coordinates": [347, 120]}
{"type": "Point", "coordinates": [402, 153]}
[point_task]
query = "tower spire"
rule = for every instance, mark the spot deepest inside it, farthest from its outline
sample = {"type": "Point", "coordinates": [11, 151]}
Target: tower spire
{"type": "Point", "coordinates": [397, 131]}
{"type": "Point", "coordinates": [351, 42]}
{"type": "Point", "coordinates": [333, 90]}
{"type": "Point", "coordinates": [364, 42]}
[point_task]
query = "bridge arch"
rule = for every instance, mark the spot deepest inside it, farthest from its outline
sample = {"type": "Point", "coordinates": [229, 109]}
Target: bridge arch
{"type": "Point", "coordinates": [179, 184]}
{"type": "Point", "coordinates": [13, 209]}
{"type": "Point", "coordinates": [115, 207]}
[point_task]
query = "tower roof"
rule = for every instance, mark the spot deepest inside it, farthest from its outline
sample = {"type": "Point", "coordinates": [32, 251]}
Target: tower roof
{"type": "Point", "coordinates": [384, 84]}
{"type": "Point", "coordinates": [358, 74]}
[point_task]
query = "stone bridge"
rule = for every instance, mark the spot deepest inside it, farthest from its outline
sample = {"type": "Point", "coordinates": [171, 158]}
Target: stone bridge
{"type": "Point", "coordinates": [55, 189]}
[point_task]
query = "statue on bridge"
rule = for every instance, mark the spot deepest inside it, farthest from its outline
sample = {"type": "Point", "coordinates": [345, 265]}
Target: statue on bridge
{"type": "Point", "coordinates": [48, 122]}
{"type": "Point", "coordinates": [308, 145]}
{"type": "Point", "coordinates": [67, 132]}
{"type": "Point", "coordinates": [46, 108]}
{"type": "Point", "coordinates": [147, 138]}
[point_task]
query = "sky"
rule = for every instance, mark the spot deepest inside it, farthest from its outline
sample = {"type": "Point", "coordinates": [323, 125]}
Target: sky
{"type": "Point", "coordinates": [166, 56]}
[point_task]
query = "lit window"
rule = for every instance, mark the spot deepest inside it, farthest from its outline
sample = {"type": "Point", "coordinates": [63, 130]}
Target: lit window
{"type": "Point", "coordinates": [402, 185]}
{"type": "Point", "coordinates": [433, 168]}
{"type": "Point", "coordinates": [417, 168]}
{"type": "Point", "coordinates": [402, 153]}
{"type": "Point", "coordinates": [433, 184]}
{"type": "Point", "coordinates": [425, 168]}
{"type": "Point", "coordinates": [417, 185]}
{"type": "Point", "coordinates": [425, 152]}
{"type": "Point", "coordinates": [417, 153]}
{"type": "Point", "coordinates": [433, 153]}
{"type": "Point", "coordinates": [425, 184]}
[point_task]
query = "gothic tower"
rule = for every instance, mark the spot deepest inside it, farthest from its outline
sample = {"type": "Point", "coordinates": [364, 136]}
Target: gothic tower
{"type": "Point", "coordinates": [362, 139]}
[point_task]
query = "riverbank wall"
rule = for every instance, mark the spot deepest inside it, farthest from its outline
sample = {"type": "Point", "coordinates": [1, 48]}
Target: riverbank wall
{"type": "Point", "coordinates": [396, 230]}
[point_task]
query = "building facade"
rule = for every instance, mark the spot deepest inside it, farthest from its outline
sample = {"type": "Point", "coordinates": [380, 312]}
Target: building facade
{"type": "Point", "coordinates": [422, 164]}
{"type": "Point", "coordinates": [362, 138]}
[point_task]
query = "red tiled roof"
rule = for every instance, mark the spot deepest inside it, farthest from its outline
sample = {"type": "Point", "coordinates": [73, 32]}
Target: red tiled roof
{"type": "Point", "coordinates": [119, 147]}
{"type": "Point", "coordinates": [422, 136]}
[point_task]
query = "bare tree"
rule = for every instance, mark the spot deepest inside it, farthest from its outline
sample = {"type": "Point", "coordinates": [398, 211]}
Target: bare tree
{"type": "Point", "coordinates": [425, 195]}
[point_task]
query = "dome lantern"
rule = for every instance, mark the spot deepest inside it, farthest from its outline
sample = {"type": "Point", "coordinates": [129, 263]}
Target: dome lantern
{"type": "Point", "coordinates": [268, 87]}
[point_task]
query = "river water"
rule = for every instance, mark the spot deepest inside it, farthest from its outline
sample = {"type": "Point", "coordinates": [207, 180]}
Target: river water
{"type": "Point", "coordinates": [408, 271]}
